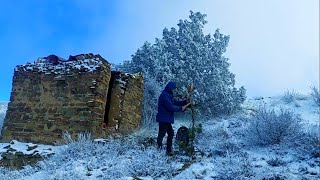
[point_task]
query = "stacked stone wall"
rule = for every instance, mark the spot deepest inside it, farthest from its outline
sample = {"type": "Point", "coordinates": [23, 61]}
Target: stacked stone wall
{"type": "Point", "coordinates": [44, 103]}
{"type": "Point", "coordinates": [74, 96]}
{"type": "Point", "coordinates": [125, 102]}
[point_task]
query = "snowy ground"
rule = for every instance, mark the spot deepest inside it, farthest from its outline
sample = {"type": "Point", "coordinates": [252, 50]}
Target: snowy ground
{"type": "Point", "coordinates": [302, 105]}
{"type": "Point", "coordinates": [256, 162]}
{"type": "Point", "coordinates": [225, 153]}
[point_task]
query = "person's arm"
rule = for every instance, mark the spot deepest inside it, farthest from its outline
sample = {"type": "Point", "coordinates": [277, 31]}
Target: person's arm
{"type": "Point", "coordinates": [180, 103]}
{"type": "Point", "coordinates": [171, 105]}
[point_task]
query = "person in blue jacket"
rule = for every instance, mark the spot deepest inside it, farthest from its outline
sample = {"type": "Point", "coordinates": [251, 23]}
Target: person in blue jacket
{"type": "Point", "coordinates": [166, 108]}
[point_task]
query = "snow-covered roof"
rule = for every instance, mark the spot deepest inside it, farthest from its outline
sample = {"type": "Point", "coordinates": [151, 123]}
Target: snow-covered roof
{"type": "Point", "coordinates": [88, 63]}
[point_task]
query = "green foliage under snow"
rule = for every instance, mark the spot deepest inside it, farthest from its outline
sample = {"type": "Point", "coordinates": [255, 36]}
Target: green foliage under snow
{"type": "Point", "coordinates": [186, 55]}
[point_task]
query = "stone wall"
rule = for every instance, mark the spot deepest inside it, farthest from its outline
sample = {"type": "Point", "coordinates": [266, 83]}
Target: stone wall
{"type": "Point", "coordinates": [72, 96]}
{"type": "Point", "coordinates": [125, 102]}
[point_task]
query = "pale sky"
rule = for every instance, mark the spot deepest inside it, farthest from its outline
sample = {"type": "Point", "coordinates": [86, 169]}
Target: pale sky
{"type": "Point", "coordinates": [274, 44]}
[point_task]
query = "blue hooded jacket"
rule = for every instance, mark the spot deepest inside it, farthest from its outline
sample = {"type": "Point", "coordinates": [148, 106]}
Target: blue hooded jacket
{"type": "Point", "coordinates": [167, 105]}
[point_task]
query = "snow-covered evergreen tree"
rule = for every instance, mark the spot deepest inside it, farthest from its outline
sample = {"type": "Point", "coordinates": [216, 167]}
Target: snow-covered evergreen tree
{"type": "Point", "coordinates": [186, 55]}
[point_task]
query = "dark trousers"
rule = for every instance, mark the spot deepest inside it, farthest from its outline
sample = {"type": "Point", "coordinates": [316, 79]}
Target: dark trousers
{"type": "Point", "coordinates": [163, 129]}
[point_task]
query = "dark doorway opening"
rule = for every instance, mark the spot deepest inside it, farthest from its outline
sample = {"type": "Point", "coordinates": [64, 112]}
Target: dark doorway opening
{"type": "Point", "coordinates": [114, 74]}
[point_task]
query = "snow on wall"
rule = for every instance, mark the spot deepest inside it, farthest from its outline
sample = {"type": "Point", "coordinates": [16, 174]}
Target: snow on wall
{"type": "Point", "coordinates": [64, 67]}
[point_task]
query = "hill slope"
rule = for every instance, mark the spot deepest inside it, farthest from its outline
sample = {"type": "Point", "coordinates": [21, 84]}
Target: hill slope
{"type": "Point", "coordinates": [222, 152]}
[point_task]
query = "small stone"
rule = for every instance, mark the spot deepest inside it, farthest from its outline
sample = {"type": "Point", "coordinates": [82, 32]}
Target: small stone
{"type": "Point", "coordinates": [6, 147]}
{"type": "Point", "coordinates": [313, 173]}
{"type": "Point", "coordinates": [32, 147]}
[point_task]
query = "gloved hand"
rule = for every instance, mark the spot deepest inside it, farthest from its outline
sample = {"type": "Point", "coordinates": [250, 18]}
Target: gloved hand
{"type": "Point", "coordinates": [185, 106]}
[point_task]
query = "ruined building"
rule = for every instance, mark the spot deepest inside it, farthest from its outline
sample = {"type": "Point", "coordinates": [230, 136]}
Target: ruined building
{"type": "Point", "coordinates": [81, 94]}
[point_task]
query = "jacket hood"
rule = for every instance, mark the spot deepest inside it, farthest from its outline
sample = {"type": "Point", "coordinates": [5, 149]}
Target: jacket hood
{"type": "Point", "coordinates": [170, 86]}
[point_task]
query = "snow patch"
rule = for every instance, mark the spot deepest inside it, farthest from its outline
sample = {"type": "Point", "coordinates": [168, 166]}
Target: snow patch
{"type": "Point", "coordinates": [27, 148]}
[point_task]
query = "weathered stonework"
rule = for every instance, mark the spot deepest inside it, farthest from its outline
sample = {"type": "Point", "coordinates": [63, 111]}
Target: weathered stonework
{"type": "Point", "coordinates": [126, 102]}
{"type": "Point", "coordinates": [72, 96]}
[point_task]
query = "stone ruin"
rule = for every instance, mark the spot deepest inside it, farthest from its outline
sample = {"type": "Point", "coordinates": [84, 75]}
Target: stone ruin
{"type": "Point", "coordinates": [74, 96]}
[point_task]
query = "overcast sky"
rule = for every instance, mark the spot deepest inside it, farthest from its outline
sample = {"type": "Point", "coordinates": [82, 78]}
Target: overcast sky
{"type": "Point", "coordinates": [274, 44]}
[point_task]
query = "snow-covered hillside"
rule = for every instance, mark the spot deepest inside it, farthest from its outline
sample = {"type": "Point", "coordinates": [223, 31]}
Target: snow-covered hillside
{"type": "Point", "coordinates": [244, 162]}
{"type": "Point", "coordinates": [223, 151]}
{"type": "Point", "coordinates": [302, 104]}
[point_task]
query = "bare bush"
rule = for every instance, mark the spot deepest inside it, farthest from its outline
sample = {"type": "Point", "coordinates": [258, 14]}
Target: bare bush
{"type": "Point", "coordinates": [113, 159]}
{"type": "Point", "coordinates": [315, 94]}
{"type": "Point", "coordinates": [310, 141]}
{"type": "Point", "coordinates": [235, 166]}
{"type": "Point", "coordinates": [12, 174]}
{"type": "Point", "coordinates": [266, 127]}
{"type": "Point", "coordinates": [289, 96]}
